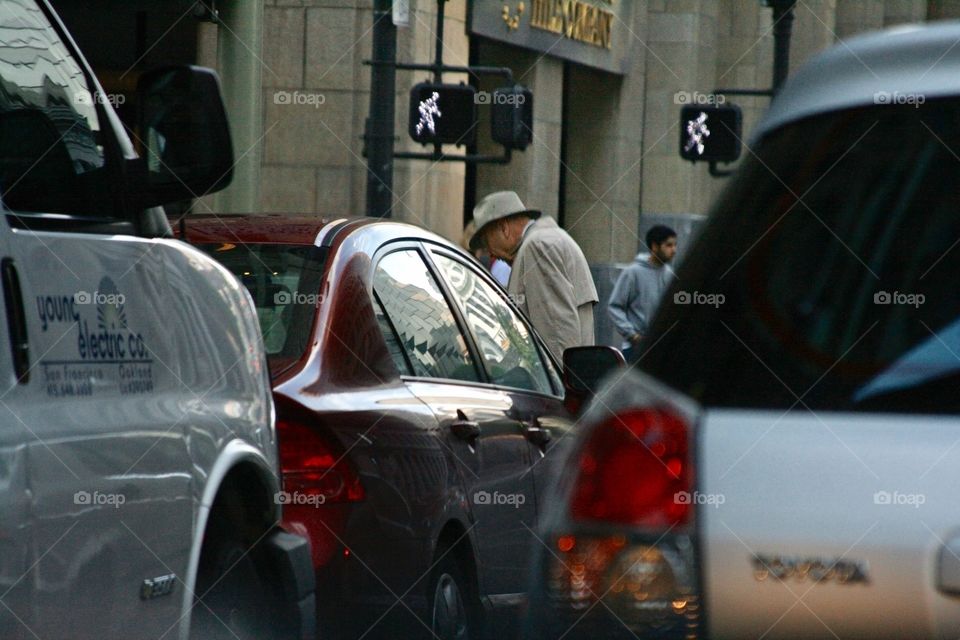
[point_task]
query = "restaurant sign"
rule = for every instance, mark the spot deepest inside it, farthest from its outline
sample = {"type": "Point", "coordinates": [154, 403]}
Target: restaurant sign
{"type": "Point", "coordinates": [595, 33]}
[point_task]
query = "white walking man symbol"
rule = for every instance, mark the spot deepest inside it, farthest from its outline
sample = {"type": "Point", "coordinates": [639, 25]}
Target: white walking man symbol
{"type": "Point", "coordinates": [428, 109]}
{"type": "Point", "coordinates": [697, 132]}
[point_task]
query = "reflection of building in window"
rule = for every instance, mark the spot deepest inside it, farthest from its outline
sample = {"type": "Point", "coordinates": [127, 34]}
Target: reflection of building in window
{"type": "Point", "coordinates": [426, 328]}
{"type": "Point", "coordinates": [48, 122]}
{"type": "Point", "coordinates": [39, 72]}
{"type": "Point", "coordinates": [491, 333]}
{"type": "Point", "coordinates": [393, 346]}
{"type": "Point", "coordinates": [507, 347]}
{"type": "Point", "coordinates": [77, 137]}
{"type": "Point", "coordinates": [480, 310]}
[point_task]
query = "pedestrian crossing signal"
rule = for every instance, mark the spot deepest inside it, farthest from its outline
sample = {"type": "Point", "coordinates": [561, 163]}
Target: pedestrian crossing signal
{"type": "Point", "coordinates": [443, 113]}
{"type": "Point", "coordinates": [710, 133]}
{"type": "Point", "coordinates": [511, 117]}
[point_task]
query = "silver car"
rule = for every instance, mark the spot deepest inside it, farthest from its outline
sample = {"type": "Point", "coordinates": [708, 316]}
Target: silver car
{"type": "Point", "coordinates": [784, 461]}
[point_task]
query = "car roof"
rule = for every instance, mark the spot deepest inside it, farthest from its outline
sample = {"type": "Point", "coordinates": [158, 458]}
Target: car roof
{"type": "Point", "coordinates": [287, 229]}
{"type": "Point", "coordinates": [910, 60]}
{"type": "Point", "coordinates": [253, 228]}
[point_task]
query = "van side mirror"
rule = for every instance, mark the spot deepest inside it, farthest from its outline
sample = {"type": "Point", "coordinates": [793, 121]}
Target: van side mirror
{"type": "Point", "coordinates": [584, 368]}
{"type": "Point", "coordinates": [185, 138]}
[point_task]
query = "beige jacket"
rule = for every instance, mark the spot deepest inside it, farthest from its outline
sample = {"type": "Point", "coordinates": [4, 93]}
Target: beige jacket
{"type": "Point", "coordinates": [551, 283]}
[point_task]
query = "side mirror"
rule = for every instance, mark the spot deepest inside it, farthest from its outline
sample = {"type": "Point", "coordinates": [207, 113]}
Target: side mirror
{"type": "Point", "coordinates": [584, 368]}
{"type": "Point", "coordinates": [184, 134]}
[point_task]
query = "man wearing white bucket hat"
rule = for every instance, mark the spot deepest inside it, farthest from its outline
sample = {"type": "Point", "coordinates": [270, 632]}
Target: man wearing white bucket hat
{"type": "Point", "coordinates": [550, 280]}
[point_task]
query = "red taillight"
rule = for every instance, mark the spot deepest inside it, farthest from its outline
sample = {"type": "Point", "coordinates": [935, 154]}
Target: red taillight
{"type": "Point", "coordinates": [634, 469]}
{"type": "Point", "coordinates": [312, 467]}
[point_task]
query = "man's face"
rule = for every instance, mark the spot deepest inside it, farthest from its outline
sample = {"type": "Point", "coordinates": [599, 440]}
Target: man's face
{"type": "Point", "coordinates": [666, 250]}
{"type": "Point", "coordinates": [499, 240]}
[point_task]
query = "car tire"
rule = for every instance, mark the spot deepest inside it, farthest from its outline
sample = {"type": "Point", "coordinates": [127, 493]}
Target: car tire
{"type": "Point", "coordinates": [237, 596]}
{"type": "Point", "coordinates": [454, 610]}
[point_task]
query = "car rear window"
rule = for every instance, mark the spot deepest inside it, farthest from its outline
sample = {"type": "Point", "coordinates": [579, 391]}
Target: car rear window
{"type": "Point", "coordinates": [826, 277]}
{"type": "Point", "coordinates": [284, 281]}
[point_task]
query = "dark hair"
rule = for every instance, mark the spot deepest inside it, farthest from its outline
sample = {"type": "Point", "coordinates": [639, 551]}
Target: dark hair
{"type": "Point", "coordinates": [659, 234]}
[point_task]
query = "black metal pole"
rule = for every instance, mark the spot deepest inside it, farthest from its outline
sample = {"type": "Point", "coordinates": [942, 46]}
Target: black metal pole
{"type": "Point", "coordinates": [438, 54]}
{"type": "Point", "coordinates": [438, 60]}
{"type": "Point", "coordinates": [782, 28]}
{"type": "Point", "coordinates": [380, 121]}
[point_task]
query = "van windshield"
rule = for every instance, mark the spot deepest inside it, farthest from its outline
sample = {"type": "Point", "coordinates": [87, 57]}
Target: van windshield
{"type": "Point", "coordinates": [826, 278]}
{"type": "Point", "coordinates": [284, 281]}
{"type": "Point", "coordinates": [51, 150]}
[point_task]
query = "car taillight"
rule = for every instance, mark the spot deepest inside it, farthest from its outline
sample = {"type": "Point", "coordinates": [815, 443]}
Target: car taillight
{"type": "Point", "coordinates": [313, 471]}
{"type": "Point", "coordinates": [634, 469]}
{"type": "Point", "coordinates": [647, 589]}
{"type": "Point", "coordinates": [628, 541]}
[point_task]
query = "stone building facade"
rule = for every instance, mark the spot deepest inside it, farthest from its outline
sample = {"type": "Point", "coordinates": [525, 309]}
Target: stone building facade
{"type": "Point", "coordinates": [605, 142]}
{"type": "Point", "coordinates": [607, 96]}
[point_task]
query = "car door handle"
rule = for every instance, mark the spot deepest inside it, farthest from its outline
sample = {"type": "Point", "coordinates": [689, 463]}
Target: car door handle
{"type": "Point", "coordinates": [536, 434]}
{"type": "Point", "coordinates": [465, 429]}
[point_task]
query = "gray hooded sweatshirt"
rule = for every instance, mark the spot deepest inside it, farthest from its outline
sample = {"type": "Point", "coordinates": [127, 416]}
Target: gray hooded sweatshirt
{"type": "Point", "coordinates": [637, 295]}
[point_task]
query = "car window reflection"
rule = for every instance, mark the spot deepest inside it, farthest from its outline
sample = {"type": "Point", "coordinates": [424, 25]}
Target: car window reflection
{"type": "Point", "coordinates": [424, 323]}
{"type": "Point", "coordinates": [506, 345]}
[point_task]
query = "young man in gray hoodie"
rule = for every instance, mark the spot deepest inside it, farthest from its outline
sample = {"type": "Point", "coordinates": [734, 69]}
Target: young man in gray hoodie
{"type": "Point", "coordinates": [637, 294]}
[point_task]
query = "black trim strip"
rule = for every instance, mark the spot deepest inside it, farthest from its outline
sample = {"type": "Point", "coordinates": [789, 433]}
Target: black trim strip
{"type": "Point", "coordinates": [333, 232]}
{"type": "Point", "coordinates": [16, 320]}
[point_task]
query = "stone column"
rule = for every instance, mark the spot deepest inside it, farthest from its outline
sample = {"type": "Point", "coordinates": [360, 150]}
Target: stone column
{"type": "Point", "coordinates": [429, 193]}
{"type": "Point", "coordinates": [239, 46]}
{"type": "Point", "coordinates": [854, 16]}
{"type": "Point", "coordinates": [904, 11]}
{"type": "Point", "coordinates": [681, 68]}
{"type": "Point", "coordinates": [943, 9]}
{"type": "Point", "coordinates": [287, 187]}
{"type": "Point", "coordinates": [315, 87]}
{"type": "Point", "coordinates": [745, 61]}
{"type": "Point", "coordinates": [814, 29]}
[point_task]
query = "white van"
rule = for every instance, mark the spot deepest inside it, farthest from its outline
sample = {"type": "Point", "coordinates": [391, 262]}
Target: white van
{"type": "Point", "coordinates": [138, 471]}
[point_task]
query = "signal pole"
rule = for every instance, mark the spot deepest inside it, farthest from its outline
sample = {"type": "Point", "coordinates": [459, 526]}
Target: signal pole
{"type": "Point", "coordinates": [782, 29]}
{"type": "Point", "coordinates": [379, 135]}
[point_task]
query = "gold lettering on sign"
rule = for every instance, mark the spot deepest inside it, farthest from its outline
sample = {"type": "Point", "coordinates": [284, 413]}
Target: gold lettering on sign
{"type": "Point", "coordinates": [575, 19]}
{"type": "Point", "coordinates": [513, 21]}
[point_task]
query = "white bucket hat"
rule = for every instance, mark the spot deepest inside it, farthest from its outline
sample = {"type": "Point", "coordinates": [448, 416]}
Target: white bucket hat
{"type": "Point", "coordinates": [496, 206]}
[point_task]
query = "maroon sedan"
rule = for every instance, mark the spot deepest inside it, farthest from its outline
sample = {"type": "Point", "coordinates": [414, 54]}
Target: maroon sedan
{"type": "Point", "coordinates": [414, 405]}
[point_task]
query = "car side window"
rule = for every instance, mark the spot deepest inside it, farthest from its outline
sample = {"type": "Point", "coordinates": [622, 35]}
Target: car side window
{"type": "Point", "coordinates": [507, 347]}
{"type": "Point", "coordinates": [390, 335]}
{"type": "Point", "coordinates": [51, 152]}
{"type": "Point", "coordinates": [424, 323]}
